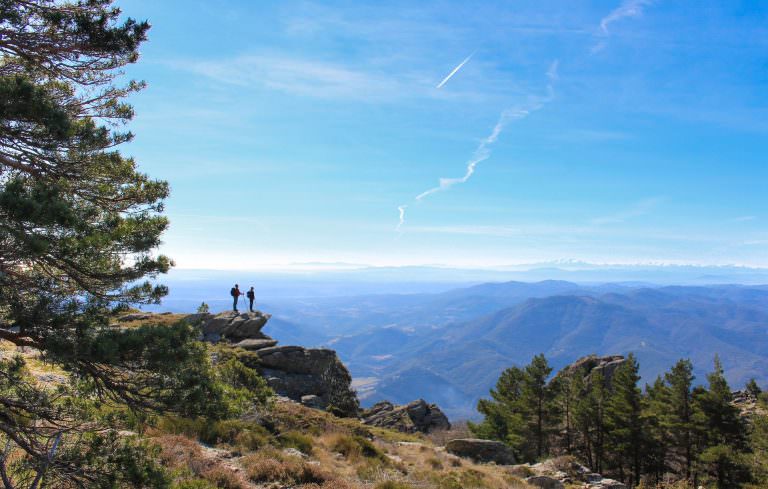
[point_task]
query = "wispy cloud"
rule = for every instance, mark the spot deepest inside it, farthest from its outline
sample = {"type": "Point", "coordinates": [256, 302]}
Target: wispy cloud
{"type": "Point", "coordinates": [640, 208]}
{"type": "Point", "coordinates": [454, 71]}
{"type": "Point", "coordinates": [745, 218]}
{"type": "Point", "coordinates": [304, 77]}
{"type": "Point", "coordinates": [627, 9]}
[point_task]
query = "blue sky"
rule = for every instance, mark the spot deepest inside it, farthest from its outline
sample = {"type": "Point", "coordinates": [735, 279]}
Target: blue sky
{"type": "Point", "coordinates": [608, 131]}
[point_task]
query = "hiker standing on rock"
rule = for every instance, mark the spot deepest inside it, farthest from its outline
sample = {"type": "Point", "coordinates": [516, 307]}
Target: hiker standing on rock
{"type": "Point", "coordinates": [235, 293]}
{"type": "Point", "coordinates": [251, 296]}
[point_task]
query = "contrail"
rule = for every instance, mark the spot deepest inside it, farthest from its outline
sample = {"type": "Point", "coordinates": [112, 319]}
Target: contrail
{"type": "Point", "coordinates": [440, 85]}
{"type": "Point", "coordinates": [401, 210]}
{"type": "Point", "coordinates": [483, 150]}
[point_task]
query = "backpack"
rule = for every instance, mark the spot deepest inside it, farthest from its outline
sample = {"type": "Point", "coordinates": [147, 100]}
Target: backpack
{"type": "Point", "coordinates": [233, 292]}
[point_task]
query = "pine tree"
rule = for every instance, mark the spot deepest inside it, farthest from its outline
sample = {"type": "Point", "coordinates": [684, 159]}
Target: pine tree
{"type": "Point", "coordinates": [753, 389]}
{"type": "Point", "coordinates": [624, 421]}
{"type": "Point", "coordinates": [538, 403]}
{"type": "Point", "coordinates": [724, 434]}
{"type": "Point", "coordinates": [654, 410]}
{"type": "Point", "coordinates": [589, 417]}
{"type": "Point", "coordinates": [79, 226]}
{"type": "Point", "coordinates": [503, 414]}
{"type": "Point", "coordinates": [679, 416]}
{"type": "Point", "coordinates": [568, 388]}
{"type": "Point", "coordinates": [521, 411]}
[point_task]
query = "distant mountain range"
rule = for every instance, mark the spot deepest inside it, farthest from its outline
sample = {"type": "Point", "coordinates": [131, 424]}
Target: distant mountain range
{"type": "Point", "coordinates": [449, 344]}
{"type": "Point", "coordinates": [450, 347]}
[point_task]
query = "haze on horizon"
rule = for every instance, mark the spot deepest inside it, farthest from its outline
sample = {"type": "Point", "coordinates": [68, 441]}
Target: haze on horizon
{"type": "Point", "coordinates": [627, 131]}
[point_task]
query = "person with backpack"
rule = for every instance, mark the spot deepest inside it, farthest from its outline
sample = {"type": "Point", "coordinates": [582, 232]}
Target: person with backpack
{"type": "Point", "coordinates": [251, 296]}
{"type": "Point", "coordinates": [235, 293]}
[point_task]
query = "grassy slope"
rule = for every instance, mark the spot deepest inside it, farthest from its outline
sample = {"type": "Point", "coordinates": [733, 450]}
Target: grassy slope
{"type": "Point", "coordinates": [309, 448]}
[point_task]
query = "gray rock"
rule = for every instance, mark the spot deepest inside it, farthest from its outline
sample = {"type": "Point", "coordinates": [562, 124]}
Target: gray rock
{"type": "Point", "coordinates": [295, 372]}
{"type": "Point", "coordinates": [292, 452]}
{"type": "Point", "coordinates": [233, 326]}
{"type": "Point", "coordinates": [315, 375]}
{"type": "Point", "coordinates": [297, 359]}
{"type": "Point", "coordinates": [545, 482]}
{"type": "Point", "coordinates": [251, 344]}
{"type": "Point", "coordinates": [312, 401]}
{"type": "Point", "coordinates": [417, 416]}
{"type": "Point", "coordinates": [481, 450]}
{"type": "Point", "coordinates": [591, 364]}
{"type": "Point", "coordinates": [608, 484]}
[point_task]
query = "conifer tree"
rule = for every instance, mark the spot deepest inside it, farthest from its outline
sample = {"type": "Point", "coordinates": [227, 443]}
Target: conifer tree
{"type": "Point", "coordinates": [521, 411]}
{"type": "Point", "coordinates": [538, 403]}
{"type": "Point", "coordinates": [624, 421]}
{"type": "Point", "coordinates": [589, 416]}
{"type": "Point", "coordinates": [568, 389]}
{"type": "Point", "coordinates": [503, 414]}
{"type": "Point", "coordinates": [654, 409]}
{"type": "Point", "coordinates": [79, 226]}
{"type": "Point", "coordinates": [724, 433]}
{"type": "Point", "coordinates": [679, 417]}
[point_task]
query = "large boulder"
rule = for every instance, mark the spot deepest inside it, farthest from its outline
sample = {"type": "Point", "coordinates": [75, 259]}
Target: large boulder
{"type": "Point", "coordinates": [590, 365]}
{"type": "Point", "coordinates": [255, 344]}
{"type": "Point", "coordinates": [296, 372]}
{"type": "Point", "coordinates": [314, 376]}
{"type": "Point", "coordinates": [482, 451]}
{"type": "Point", "coordinates": [544, 482]}
{"type": "Point", "coordinates": [234, 327]}
{"type": "Point", "coordinates": [417, 416]}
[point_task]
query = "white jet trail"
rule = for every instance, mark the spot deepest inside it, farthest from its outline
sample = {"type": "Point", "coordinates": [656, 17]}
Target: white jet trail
{"type": "Point", "coordinates": [483, 150]}
{"type": "Point", "coordinates": [401, 210]}
{"type": "Point", "coordinates": [440, 85]}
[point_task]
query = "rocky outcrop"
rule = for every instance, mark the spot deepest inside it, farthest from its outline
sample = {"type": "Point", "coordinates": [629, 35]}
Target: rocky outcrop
{"type": "Point", "coordinates": [564, 471]}
{"type": "Point", "coordinates": [417, 416]}
{"type": "Point", "coordinates": [590, 365]}
{"type": "Point", "coordinates": [234, 327]}
{"type": "Point", "coordinates": [748, 405]}
{"type": "Point", "coordinates": [544, 482]}
{"type": "Point", "coordinates": [316, 377]}
{"type": "Point", "coordinates": [483, 451]}
{"type": "Point", "coordinates": [313, 376]}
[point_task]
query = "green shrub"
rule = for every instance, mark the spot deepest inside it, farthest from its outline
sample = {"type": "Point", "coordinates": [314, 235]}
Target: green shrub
{"type": "Point", "coordinates": [294, 439]}
{"type": "Point", "coordinates": [353, 446]}
{"type": "Point", "coordinates": [242, 385]}
{"type": "Point", "coordinates": [251, 440]}
{"type": "Point", "coordinates": [247, 435]}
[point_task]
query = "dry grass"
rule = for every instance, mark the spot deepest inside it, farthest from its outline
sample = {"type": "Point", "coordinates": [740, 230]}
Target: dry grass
{"type": "Point", "coordinates": [154, 320]}
{"type": "Point", "coordinates": [459, 429]}
{"type": "Point", "coordinates": [340, 458]}
{"type": "Point", "coordinates": [269, 465]}
{"type": "Point", "coordinates": [186, 457]}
